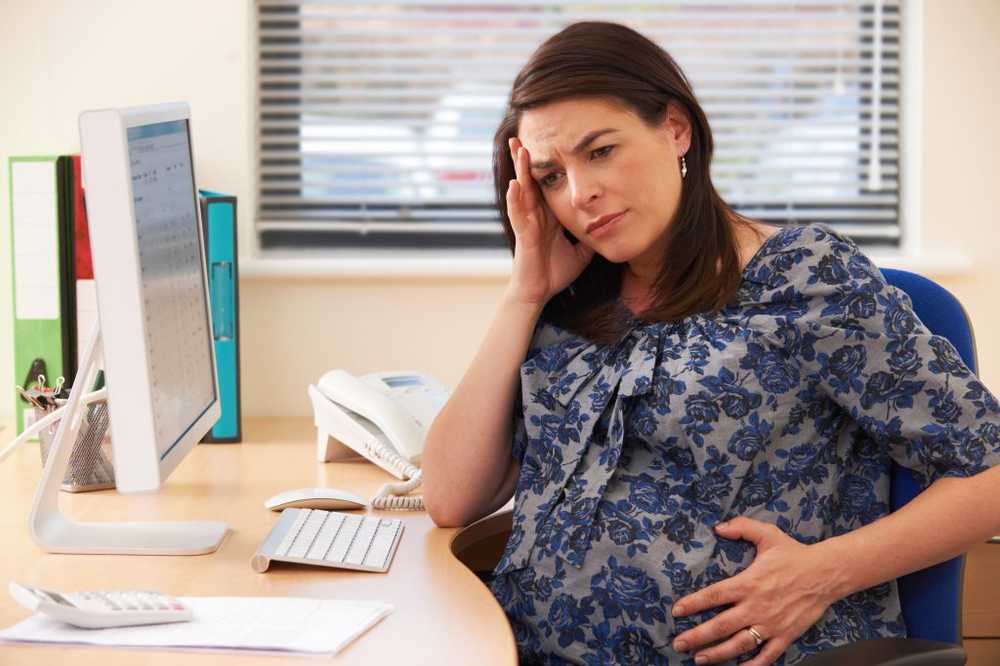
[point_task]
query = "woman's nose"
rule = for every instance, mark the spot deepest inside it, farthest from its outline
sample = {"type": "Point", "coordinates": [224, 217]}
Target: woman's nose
{"type": "Point", "coordinates": [584, 190]}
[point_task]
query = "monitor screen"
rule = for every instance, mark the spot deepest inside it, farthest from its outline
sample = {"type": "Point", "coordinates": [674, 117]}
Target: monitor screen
{"type": "Point", "coordinates": [177, 326]}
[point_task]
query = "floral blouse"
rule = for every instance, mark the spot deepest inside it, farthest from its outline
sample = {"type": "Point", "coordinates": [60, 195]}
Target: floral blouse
{"type": "Point", "coordinates": [787, 407]}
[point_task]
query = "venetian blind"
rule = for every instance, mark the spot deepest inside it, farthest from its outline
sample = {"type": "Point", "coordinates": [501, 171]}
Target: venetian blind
{"type": "Point", "coordinates": [375, 119]}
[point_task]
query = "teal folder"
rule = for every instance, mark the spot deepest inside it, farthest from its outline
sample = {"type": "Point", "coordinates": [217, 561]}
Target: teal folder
{"type": "Point", "coordinates": [218, 214]}
{"type": "Point", "coordinates": [40, 270]}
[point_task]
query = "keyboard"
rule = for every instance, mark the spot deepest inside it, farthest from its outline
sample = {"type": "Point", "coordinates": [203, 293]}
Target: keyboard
{"type": "Point", "coordinates": [330, 539]}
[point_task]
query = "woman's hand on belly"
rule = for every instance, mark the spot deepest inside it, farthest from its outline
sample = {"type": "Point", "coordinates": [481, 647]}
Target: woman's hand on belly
{"type": "Point", "coordinates": [780, 595]}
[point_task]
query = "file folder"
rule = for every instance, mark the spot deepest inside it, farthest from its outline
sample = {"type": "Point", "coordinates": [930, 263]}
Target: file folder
{"type": "Point", "coordinates": [67, 254]}
{"type": "Point", "coordinates": [84, 311]}
{"type": "Point", "coordinates": [218, 214]}
{"type": "Point", "coordinates": [40, 274]}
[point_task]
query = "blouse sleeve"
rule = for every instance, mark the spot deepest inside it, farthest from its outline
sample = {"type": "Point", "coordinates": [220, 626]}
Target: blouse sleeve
{"type": "Point", "coordinates": [861, 345]}
{"type": "Point", "coordinates": [543, 338]}
{"type": "Point", "coordinates": [519, 434]}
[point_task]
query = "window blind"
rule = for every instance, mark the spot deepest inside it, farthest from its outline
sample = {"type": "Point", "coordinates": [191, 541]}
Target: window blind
{"type": "Point", "coordinates": [375, 119]}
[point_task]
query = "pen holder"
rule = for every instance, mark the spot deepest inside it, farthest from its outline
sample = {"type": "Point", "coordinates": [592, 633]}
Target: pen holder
{"type": "Point", "coordinates": [90, 465]}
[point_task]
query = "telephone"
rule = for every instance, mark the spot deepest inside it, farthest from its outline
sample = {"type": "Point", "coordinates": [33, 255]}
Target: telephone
{"type": "Point", "coordinates": [384, 417]}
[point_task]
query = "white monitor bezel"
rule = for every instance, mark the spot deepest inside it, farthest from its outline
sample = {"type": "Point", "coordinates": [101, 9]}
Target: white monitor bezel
{"type": "Point", "coordinates": [139, 467]}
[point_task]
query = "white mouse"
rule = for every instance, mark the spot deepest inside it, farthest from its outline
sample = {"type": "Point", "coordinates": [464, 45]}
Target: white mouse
{"type": "Point", "coordinates": [329, 499]}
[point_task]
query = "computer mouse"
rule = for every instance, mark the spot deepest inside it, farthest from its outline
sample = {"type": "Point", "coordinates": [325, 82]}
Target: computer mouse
{"type": "Point", "coordinates": [329, 499]}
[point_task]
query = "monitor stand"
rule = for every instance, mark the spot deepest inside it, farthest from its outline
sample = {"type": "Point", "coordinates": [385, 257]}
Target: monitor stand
{"type": "Point", "coordinates": [57, 533]}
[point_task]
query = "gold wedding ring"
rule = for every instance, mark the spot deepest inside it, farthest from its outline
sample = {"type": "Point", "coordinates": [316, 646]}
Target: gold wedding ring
{"type": "Point", "coordinates": [758, 639]}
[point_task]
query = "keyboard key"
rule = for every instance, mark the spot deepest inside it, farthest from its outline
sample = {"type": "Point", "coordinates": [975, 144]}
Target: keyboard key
{"type": "Point", "coordinates": [308, 533]}
{"type": "Point", "coordinates": [362, 540]}
{"type": "Point", "coordinates": [381, 547]}
{"type": "Point", "coordinates": [292, 532]}
{"type": "Point", "coordinates": [344, 539]}
{"type": "Point", "coordinates": [325, 539]}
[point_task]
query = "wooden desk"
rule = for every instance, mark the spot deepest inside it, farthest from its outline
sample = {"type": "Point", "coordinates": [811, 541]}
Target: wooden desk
{"type": "Point", "coordinates": [981, 605]}
{"type": "Point", "coordinates": [443, 614]}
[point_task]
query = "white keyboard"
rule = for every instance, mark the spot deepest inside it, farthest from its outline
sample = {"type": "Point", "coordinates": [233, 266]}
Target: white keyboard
{"type": "Point", "coordinates": [330, 539]}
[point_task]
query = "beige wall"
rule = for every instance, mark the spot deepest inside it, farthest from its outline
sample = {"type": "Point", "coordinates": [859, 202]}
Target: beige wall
{"type": "Point", "coordinates": [58, 58]}
{"type": "Point", "coordinates": [960, 189]}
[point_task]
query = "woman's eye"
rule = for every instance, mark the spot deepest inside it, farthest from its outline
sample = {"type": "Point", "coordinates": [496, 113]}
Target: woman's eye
{"type": "Point", "coordinates": [603, 151]}
{"type": "Point", "coordinates": [549, 180]}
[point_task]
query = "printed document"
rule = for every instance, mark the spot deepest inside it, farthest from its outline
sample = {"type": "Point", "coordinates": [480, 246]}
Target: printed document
{"type": "Point", "coordinates": [266, 624]}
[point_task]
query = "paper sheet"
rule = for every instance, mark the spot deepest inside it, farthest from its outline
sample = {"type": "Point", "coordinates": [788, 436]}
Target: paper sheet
{"type": "Point", "coordinates": [285, 624]}
{"type": "Point", "coordinates": [36, 240]}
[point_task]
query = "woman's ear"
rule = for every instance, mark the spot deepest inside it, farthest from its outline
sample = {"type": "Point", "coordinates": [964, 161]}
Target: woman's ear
{"type": "Point", "coordinates": [677, 127]}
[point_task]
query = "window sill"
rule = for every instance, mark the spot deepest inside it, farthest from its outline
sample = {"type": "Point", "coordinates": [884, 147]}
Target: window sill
{"type": "Point", "coordinates": [387, 264]}
{"type": "Point", "coordinates": [928, 264]}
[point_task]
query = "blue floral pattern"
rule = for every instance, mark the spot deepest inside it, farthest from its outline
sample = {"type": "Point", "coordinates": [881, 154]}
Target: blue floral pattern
{"type": "Point", "coordinates": [786, 406]}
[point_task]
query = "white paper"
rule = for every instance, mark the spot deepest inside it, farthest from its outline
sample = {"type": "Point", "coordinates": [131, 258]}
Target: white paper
{"type": "Point", "coordinates": [36, 240]}
{"type": "Point", "coordinates": [285, 624]}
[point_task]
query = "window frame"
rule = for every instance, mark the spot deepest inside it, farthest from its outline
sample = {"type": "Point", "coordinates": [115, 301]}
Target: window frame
{"type": "Point", "coordinates": [431, 262]}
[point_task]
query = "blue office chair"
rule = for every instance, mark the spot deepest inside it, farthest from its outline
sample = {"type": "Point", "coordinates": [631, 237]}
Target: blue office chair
{"type": "Point", "coordinates": [931, 598]}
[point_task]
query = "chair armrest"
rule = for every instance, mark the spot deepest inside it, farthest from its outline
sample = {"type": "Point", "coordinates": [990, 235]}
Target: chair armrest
{"type": "Point", "coordinates": [890, 652]}
{"type": "Point", "coordinates": [480, 546]}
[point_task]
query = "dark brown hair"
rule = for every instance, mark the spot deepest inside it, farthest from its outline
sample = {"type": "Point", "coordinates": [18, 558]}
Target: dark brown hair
{"type": "Point", "coordinates": [607, 60]}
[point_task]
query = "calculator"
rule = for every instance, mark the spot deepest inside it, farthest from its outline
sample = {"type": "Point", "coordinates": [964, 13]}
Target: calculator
{"type": "Point", "coordinates": [102, 609]}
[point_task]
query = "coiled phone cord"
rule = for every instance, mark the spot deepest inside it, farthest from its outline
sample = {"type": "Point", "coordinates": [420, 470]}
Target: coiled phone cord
{"type": "Point", "coordinates": [394, 495]}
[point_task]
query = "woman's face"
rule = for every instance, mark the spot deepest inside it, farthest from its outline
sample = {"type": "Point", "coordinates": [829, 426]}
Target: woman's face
{"type": "Point", "coordinates": [610, 179]}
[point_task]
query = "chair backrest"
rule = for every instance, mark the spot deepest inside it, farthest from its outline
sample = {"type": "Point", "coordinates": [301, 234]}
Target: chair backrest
{"type": "Point", "coordinates": [932, 598]}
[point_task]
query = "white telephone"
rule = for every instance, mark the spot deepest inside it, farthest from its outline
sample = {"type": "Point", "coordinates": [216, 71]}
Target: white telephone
{"type": "Point", "coordinates": [383, 416]}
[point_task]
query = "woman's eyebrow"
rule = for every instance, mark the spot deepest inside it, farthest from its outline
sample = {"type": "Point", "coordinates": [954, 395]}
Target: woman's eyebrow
{"type": "Point", "coordinates": [581, 145]}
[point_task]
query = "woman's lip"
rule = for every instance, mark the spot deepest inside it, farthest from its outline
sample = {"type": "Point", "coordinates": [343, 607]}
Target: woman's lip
{"type": "Point", "coordinates": [599, 228]}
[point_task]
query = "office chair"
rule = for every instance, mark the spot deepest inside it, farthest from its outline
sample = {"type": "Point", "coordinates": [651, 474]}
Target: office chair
{"type": "Point", "coordinates": [931, 598]}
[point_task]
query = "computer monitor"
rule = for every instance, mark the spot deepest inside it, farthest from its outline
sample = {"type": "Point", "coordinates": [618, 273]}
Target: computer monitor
{"type": "Point", "coordinates": [153, 338]}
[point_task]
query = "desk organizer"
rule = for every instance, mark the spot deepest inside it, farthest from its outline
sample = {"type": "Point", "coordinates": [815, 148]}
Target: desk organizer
{"type": "Point", "coordinates": [90, 466]}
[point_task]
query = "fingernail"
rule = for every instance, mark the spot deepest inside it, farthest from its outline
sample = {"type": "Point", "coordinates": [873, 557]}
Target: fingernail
{"type": "Point", "coordinates": [681, 646]}
{"type": "Point", "coordinates": [701, 659]}
{"type": "Point", "coordinates": [677, 610]}
{"type": "Point", "coordinates": [722, 526]}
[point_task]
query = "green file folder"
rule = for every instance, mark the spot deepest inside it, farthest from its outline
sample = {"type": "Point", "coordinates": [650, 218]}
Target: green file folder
{"type": "Point", "coordinates": [39, 268]}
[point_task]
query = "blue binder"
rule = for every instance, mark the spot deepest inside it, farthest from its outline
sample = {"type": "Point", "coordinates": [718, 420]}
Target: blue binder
{"type": "Point", "coordinates": [218, 214]}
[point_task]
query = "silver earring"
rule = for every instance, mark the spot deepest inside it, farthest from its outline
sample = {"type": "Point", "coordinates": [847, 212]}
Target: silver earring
{"type": "Point", "coordinates": [684, 168]}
